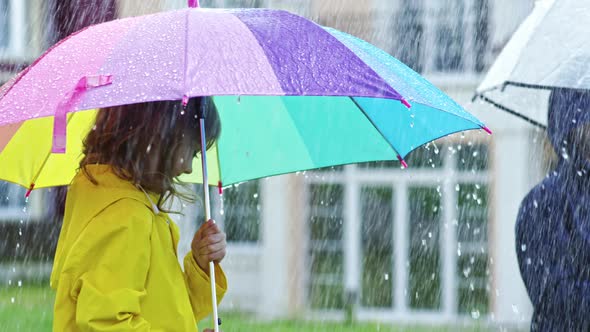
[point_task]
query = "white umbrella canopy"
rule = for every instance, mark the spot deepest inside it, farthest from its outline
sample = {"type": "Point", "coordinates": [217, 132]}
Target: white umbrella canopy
{"type": "Point", "coordinates": [549, 50]}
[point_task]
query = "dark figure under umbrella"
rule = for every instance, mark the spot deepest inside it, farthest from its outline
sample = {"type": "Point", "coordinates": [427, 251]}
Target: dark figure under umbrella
{"type": "Point", "coordinates": [553, 225]}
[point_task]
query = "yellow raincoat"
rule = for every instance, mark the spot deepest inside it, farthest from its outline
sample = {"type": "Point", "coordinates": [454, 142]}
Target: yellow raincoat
{"type": "Point", "coordinates": [116, 266]}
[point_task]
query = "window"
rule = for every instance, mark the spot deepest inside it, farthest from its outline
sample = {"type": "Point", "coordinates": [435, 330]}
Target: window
{"type": "Point", "coordinates": [423, 242]}
{"type": "Point", "coordinates": [232, 3]}
{"type": "Point", "coordinates": [13, 27]}
{"type": "Point", "coordinates": [4, 24]}
{"type": "Point", "coordinates": [443, 36]}
{"type": "Point", "coordinates": [424, 262]}
{"type": "Point", "coordinates": [409, 43]}
{"type": "Point", "coordinates": [326, 287]}
{"type": "Point", "coordinates": [472, 251]}
{"type": "Point", "coordinates": [241, 212]}
{"type": "Point", "coordinates": [12, 201]}
{"type": "Point", "coordinates": [377, 247]}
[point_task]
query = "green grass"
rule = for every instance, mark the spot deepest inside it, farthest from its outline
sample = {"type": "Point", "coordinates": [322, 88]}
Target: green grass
{"type": "Point", "coordinates": [32, 310]}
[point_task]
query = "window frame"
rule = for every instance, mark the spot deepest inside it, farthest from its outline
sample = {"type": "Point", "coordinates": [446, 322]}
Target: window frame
{"type": "Point", "coordinates": [353, 177]}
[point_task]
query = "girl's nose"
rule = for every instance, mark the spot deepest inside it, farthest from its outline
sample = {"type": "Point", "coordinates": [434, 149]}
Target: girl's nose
{"type": "Point", "coordinates": [188, 167]}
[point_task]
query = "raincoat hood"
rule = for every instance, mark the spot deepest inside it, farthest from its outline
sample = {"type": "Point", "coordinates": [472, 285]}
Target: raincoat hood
{"type": "Point", "coordinates": [568, 109]}
{"type": "Point", "coordinates": [110, 190]}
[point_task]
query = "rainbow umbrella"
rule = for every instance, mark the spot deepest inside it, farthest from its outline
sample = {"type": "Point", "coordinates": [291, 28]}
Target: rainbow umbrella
{"type": "Point", "coordinates": [292, 95]}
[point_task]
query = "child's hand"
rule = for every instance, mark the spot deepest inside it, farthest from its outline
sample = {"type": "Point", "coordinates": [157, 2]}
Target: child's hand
{"type": "Point", "coordinates": [208, 245]}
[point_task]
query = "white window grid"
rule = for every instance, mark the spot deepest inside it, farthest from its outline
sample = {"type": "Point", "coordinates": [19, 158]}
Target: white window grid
{"type": "Point", "coordinates": [353, 178]}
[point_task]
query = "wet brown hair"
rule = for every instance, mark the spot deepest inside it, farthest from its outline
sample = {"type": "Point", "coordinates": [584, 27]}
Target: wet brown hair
{"type": "Point", "coordinates": [130, 138]}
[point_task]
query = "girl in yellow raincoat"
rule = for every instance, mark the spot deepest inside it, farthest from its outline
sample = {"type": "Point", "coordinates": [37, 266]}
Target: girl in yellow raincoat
{"type": "Point", "coordinates": [116, 265]}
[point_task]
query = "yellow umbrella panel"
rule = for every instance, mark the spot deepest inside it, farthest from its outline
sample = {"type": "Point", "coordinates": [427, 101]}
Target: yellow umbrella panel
{"type": "Point", "coordinates": [26, 158]}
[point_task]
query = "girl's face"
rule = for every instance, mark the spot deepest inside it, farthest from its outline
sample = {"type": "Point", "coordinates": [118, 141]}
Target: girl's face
{"type": "Point", "coordinates": [183, 157]}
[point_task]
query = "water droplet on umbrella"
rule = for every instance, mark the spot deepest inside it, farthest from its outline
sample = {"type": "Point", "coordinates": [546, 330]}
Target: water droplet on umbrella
{"type": "Point", "coordinates": [523, 247]}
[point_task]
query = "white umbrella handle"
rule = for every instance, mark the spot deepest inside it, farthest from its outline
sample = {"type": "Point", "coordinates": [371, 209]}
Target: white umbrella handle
{"type": "Point", "coordinates": [207, 217]}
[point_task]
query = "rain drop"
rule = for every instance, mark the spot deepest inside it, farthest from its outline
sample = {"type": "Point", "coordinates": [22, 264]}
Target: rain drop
{"type": "Point", "coordinates": [475, 314]}
{"type": "Point", "coordinates": [466, 272]}
{"type": "Point", "coordinates": [523, 247]}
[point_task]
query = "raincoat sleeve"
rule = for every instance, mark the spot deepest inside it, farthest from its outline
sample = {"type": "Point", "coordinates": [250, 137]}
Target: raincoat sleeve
{"type": "Point", "coordinates": [199, 289]}
{"type": "Point", "coordinates": [114, 254]}
{"type": "Point", "coordinates": [532, 250]}
{"type": "Point", "coordinates": [543, 259]}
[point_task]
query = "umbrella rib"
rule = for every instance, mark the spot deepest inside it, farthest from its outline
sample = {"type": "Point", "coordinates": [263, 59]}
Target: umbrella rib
{"type": "Point", "coordinates": [506, 109]}
{"type": "Point", "coordinates": [376, 128]}
{"type": "Point", "coordinates": [527, 85]}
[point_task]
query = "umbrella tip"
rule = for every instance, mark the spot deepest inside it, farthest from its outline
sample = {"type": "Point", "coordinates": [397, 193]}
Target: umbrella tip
{"type": "Point", "coordinates": [487, 130]}
{"type": "Point", "coordinates": [193, 3]}
{"type": "Point", "coordinates": [402, 161]}
{"type": "Point", "coordinates": [405, 102]}
{"type": "Point", "coordinates": [220, 187]}
{"type": "Point", "coordinates": [31, 187]}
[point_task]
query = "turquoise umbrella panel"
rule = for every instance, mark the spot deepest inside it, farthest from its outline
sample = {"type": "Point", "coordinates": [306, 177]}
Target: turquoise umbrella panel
{"type": "Point", "coordinates": [264, 136]}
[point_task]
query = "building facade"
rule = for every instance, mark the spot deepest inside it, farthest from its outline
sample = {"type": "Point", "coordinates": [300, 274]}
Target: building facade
{"type": "Point", "coordinates": [433, 243]}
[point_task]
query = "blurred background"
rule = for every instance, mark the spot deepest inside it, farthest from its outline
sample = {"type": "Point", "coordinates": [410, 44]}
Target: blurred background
{"type": "Point", "coordinates": [431, 245]}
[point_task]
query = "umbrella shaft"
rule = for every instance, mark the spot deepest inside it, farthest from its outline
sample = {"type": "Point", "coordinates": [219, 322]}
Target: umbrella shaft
{"type": "Point", "coordinates": [207, 217]}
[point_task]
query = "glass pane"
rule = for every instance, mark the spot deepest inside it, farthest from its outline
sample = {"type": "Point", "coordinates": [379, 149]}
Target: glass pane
{"type": "Point", "coordinates": [380, 164]}
{"type": "Point", "coordinates": [377, 246]}
{"type": "Point", "coordinates": [472, 204]}
{"type": "Point", "coordinates": [450, 36]}
{"type": "Point", "coordinates": [327, 296]}
{"type": "Point", "coordinates": [481, 25]}
{"type": "Point", "coordinates": [472, 236]}
{"type": "Point", "coordinates": [326, 212]}
{"type": "Point", "coordinates": [326, 288]}
{"type": "Point", "coordinates": [473, 288]}
{"type": "Point", "coordinates": [241, 205]}
{"type": "Point", "coordinates": [409, 32]}
{"type": "Point", "coordinates": [243, 3]}
{"type": "Point", "coordinates": [11, 195]}
{"type": "Point", "coordinates": [472, 157]}
{"type": "Point", "coordinates": [4, 23]}
{"type": "Point", "coordinates": [338, 168]}
{"type": "Point", "coordinates": [427, 156]}
{"type": "Point", "coordinates": [5, 194]}
{"type": "Point", "coordinates": [425, 264]}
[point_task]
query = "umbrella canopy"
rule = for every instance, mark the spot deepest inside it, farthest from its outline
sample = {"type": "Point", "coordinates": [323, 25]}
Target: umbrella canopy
{"type": "Point", "coordinates": [549, 50]}
{"type": "Point", "coordinates": [292, 95]}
